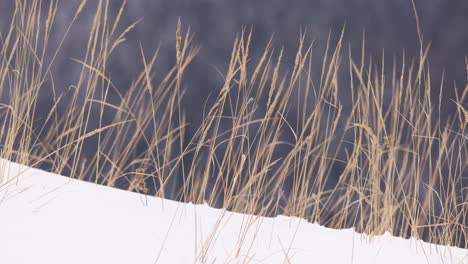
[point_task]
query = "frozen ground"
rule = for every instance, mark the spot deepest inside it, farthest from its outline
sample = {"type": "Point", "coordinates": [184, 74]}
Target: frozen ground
{"type": "Point", "coordinates": [48, 218]}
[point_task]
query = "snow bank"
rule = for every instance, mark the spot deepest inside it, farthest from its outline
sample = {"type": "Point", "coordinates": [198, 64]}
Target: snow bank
{"type": "Point", "coordinates": [48, 218]}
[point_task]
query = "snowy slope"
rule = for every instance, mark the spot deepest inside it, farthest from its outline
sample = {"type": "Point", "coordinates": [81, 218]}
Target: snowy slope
{"type": "Point", "coordinates": [47, 218]}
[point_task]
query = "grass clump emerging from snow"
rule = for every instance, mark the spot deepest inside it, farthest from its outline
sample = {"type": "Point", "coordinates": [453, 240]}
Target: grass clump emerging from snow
{"type": "Point", "coordinates": [401, 165]}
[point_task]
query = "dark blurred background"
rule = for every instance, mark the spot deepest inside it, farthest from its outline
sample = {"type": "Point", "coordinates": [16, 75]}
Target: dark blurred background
{"type": "Point", "coordinates": [389, 26]}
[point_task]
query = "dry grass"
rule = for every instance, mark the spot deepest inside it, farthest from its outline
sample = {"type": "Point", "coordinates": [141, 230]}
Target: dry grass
{"type": "Point", "coordinates": [403, 168]}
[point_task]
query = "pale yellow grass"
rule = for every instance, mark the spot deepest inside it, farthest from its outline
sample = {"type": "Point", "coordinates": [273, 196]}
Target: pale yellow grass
{"type": "Point", "coordinates": [403, 166]}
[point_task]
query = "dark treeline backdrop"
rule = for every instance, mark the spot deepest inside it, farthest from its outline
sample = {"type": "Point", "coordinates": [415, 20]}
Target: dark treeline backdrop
{"type": "Point", "coordinates": [389, 27]}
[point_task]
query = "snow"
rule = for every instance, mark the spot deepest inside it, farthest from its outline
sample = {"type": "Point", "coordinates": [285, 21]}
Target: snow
{"type": "Point", "coordinates": [48, 218]}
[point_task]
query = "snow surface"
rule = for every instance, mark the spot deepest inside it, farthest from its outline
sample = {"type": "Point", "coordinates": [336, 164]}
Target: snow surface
{"type": "Point", "coordinates": [48, 218]}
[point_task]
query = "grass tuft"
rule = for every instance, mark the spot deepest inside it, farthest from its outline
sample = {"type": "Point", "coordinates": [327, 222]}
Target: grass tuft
{"type": "Point", "coordinates": [370, 153]}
